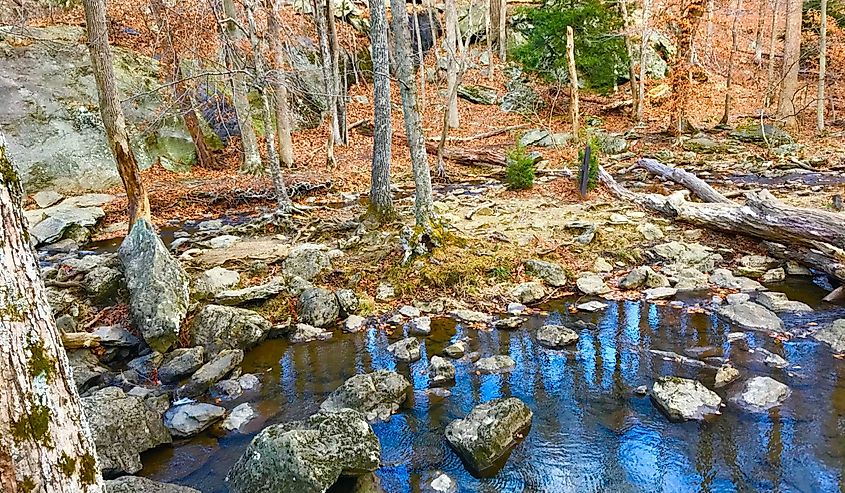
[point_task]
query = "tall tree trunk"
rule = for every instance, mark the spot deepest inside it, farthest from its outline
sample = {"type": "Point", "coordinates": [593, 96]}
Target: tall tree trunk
{"type": "Point", "coordinates": [452, 67]}
{"type": "Point", "coordinates": [488, 34]}
{"type": "Point", "coordinates": [45, 443]}
{"type": "Point", "coordinates": [339, 83]}
{"type": "Point", "coordinates": [113, 120]}
{"type": "Point", "coordinates": [770, 73]}
{"type": "Point", "coordinates": [498, 25]}
{"type": "Point", "coordinates": [183, 98]}
{"type": "Point", "coordinates": [319, 7]}
{"type": "Point", "coordinates": [791, 64]}
{"type": "Point", "coordinates": [251, 159]}
{"type": "Point", "coordinates": [734, 46]}
{"type": "Point", "coordinates": [420, 53]}
{"type": "Point", "coordinates": [283, 203]}
{"type": "Point", "coordinates": [280, 89]}
{"type": "Point", "coordinates": [758, 35]}
{"type": "Point", "coordinates": [573, 81]}
{"type": "Point", "coordinates": [822, 67]}
{"type": "Point", "coordinates": [629, 49]}
{"type": "Point", "coordinates": [381, 199]}
{"type": "Point", "coordinates": [423, 202]}
{"type": "Point", "coordinates": [679, 80]}
{"type": "Point", "coordinates": [643, 50]}
{"type": "Point", "coordinates": [711, 7]}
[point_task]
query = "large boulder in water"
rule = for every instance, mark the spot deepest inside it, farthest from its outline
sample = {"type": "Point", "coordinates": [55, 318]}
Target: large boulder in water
{"type": "Point", "coordinates": [122, 427]}
{"type": "Point", "coordinates": [307, 456]}
{"type": "Point", "coordinates": [218, 327]}
{"type": "Point", "coordinates": [750, 315]}
{"type": "Point", "coordinates": [158, 287]}
{"type": "Point", "coordinates": [683, 399]}
{"type": "Point", "coordinates": [136, 484]}
{"type": "Point", "coordinates": [760, 394]}
{"type": "Point", "coordinates": [376, 395]}
{"type": "Point", "coordinates": [488, 433]}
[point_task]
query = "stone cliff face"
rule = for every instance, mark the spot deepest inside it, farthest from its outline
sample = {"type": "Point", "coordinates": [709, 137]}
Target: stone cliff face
{"type": "Point", "coordinates": [50, 116]}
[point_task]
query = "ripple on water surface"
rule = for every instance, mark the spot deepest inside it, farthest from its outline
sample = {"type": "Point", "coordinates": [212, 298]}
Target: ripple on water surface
{"type": "Point", "coordinates": [590, 433]}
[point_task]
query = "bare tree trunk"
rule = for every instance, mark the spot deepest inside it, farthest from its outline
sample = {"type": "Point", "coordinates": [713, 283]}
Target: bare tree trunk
{"type": "Point", "coordinates": [498, 26]}
{"type": "Point", "coordinates": [339, 95]}
{"type": "Point", "coordinates": [573, 81]}
{"type": "Point", "coordinates": [45, 442]}
{"type": "Point", "coordinates": [420, 53]}
{"type": "Point", "coordinates": [381, 199]}
{"type": "Point", "coordinates": [770, 74]}
{"type": "Point", "coordinates": [183, 98]}
{"type": "Point", "coordinates": [488, 34]}
{"type": "Point", "coordinates": [629, 49]}
{"type": "Point", "coordinates": [113, 120]}
{"type": "Point", "coordinates": [280, 90]}
{"type": "Point", "coordinates": [679, 80]}
{"type": "Point", "coordinates": [734, 46]}
{"type": "Point", "coordinates": [452, 68]}
{"type": "Point", "coordinates": [791, 63]}
{"type": "Point", "coordinates": [643, 51]}
{"type": "Point", "coordinates": [822, 67]}
{"type": "Point", "coordinates": [423, 202]}
{"type": "Point", "coordinates": [283, 202]}
{"type": "Point", "coordinates": [711, 7]}
{"type": "Point", "coordinates": [328, 83]}
{"type": "Point", "coordinates": [251, 162]}
{"type": "Point", "coordinates": [758, 36]}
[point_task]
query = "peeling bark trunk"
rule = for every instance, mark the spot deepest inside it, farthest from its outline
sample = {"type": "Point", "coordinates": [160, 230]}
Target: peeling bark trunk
{"type": "Point", "coordinates": [629, 49]}
{"type": "Point", "coordinates": [381, 199]}
{"type": "Point", "coordinates": [45, 443]}
{"type": "Point", "coordinates": [113, 120]}
{"type": "Point", "coordinates": [328, 82]}
{"type": "Point", "coordinates": [339, 84]}
{"type": "Point", "coordinates": [423, 202]}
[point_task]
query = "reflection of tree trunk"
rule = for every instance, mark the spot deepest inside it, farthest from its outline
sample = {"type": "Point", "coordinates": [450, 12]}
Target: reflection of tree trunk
{"type": "Point", "coordinates": [791, 64]}
{"type": "Point", "coordinates": [679, 79]}
{"type": "Point", "coordinates": [183, 98]}
{"type": "Point", "coordinates": [232, 35]}
{"type": "Point", "coordinates": [423, 203]}
{"type": "Point", "coordinates": [113, 120]}
{"type": "Point", "coordinates": [45, 443]}
{"type": "Point", "coordinates": [734, 46]}
{"type": "Point", "coordinates": [822, 66]}
{"type": "Point", "coordinates": [381, 200]}
{"type": "Point", "coordinates": [280, 90]}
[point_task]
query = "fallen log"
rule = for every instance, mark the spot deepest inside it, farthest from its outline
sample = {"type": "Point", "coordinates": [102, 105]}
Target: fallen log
{"type": "Point", "coordinates": [80, 340]}
{"type": "Point", "coordinates": [686, 179]}
{"type": "Point", "coordinates": [813, 237]}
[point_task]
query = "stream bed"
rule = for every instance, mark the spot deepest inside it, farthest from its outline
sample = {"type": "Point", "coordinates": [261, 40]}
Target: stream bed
{"type": "Point", "coordinates": [591, 432]}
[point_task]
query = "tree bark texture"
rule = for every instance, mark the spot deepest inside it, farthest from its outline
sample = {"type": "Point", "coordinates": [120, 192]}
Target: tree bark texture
{"type": "Point", "coordinates": [574, 114]}
{"type": "Point", "coordinates": [381, 199]}
{"type": "Point", "coordinates": [822, 67]}
{"type": "Point", "coordinates": [643, 50]}
{"type": "Point", "coordinates": [791, 64]}
{"type": "Point", "coordinates": [734, 47]}
{"type": "Point", "coordinates": [423, 202]}
{"type": "Point", "coordinates": [679, 79]}
{"type": "Point", "coordinates": [770, 72]}
{"type": "Point", "coordinates": [251, 159]}
{"type": "Point", "coordinates": [629, 49]}
{"type": "Point", "coordinates": [498, 26]}
{"type": "Point", "coordinates": [452, 67]}
{"type": "Point", "coordinates": [280, 90]}
{"type": "Point", "coordinates": [45, 443]}
{"type": "Point", "coordinates": [758, 34]}
{"type": "Point", "coordinates": [319, 7]}
{"type": "Point", "coordinates": [339, 83]}
{"type": "Point", "coordinates": [114, 121]}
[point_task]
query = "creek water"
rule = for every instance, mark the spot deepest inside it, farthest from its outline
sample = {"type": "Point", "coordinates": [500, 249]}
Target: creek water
{"type": "Point", "coordinates": [590, 431]}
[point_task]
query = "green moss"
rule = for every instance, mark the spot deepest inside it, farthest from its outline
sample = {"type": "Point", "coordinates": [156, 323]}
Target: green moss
{"type": "Point", "coordinates": [67, 465]}
{"type": "Point", "coordinates": [39, 362]}
{"type": "Point", "coordinates": [88, 469]}
{"type": "Point", "coordinates": [27, 485]}
{"type": "Point", "coordinates": [7, 170]}
{"type": "Point", "coordinates": [35, 426]}
{"type": "Point", "coordinates": [276, 309]}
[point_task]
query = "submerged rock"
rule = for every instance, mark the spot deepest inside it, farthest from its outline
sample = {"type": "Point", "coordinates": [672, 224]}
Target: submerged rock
{"type": "Point", "coordinates": [158, 287]}
{"type": "Point", "coordinates": [683, 399]}
{"type": "Point", "coordinates": [496, 364]}
{"type": "Point", "coordinates": [189, 419]}
{"type": "Point", "coordinates": [751, 316]}
{"type": "Point", "coordinates": [406, 349]}
{"type": "Point", "coordinates": [136, 484]}
{"type": "Point", "coordinates": [833, 335]}
{"type": "Point", "coordinates": [486, 436]}
{"type": "Point", "coordinates": [306, 456]}
{"type": "Point", "coordinates": [318, 307]}
{"type": "Point", "coordinates": [761, 394]}
{"type": "Point", "coordinates": [441, 371]}
{"type": "Point", "coordinates": [376, 395]}
{"type": "Point", "coordinates": [556, 336]}
{"type": "Point", "coordinates": [218, 327]}
{"type": "Point", "coordinates": [122, 427]}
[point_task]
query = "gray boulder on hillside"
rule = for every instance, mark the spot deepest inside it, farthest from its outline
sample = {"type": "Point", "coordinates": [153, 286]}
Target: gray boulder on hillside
{"type": "Point", "coordinates": [307, 261]}
{"type": "Point", "coordinates": [488, 433]}
{"type": "Point", "coordinates": [550, 272]}
{"type": "Point", "coordinates": [158, 287]}
{"type": "Point", "coordinates": [318, 307]}
{"type": "Point", "coordinates": [218, 327]}
{"type": "Point", "coordinates": [122, 427]}
{"type": "Point", "coordinates": [376, 395]}
{"type": "Point", "coordinates": [136, 484]}
{"type": "Point", "coordinates": [307, 456]}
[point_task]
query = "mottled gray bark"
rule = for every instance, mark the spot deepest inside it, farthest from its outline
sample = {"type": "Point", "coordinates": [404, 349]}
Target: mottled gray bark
{"type": "Point", "coordinates": [381, 200]}
{"type": "Point", "coordinates": [280, 90]}
{"type": "Point", "coordinates": [791, 63]}
{"type": "Point", "coordinates": [452, 67]}
{"type": "Point", "coordinates": [423, 203]}
{"type": "Point", "coordinates": [822, 67]}
{"type": "Point", "coordinates": [319, 7]}
{"type": "Point", "coordinates": [45, 443]}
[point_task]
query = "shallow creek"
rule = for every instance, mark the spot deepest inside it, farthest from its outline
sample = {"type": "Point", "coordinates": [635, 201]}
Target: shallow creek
{"type": "Point", "coordinates": [590, 432]}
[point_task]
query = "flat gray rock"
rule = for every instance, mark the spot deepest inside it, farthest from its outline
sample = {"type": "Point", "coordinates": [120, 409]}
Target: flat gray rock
{"type": "Point", "coordinates": [189, 419]}
{"type": "Point", "coordinates": [683, 399]}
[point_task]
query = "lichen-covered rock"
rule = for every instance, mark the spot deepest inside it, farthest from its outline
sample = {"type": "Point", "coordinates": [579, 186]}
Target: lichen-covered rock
{"type": "Point", "coordinates": [550, 272]}
{"type": "Point", "coordinates": [318, 307]}
{"type": "Point", "coordinates": [725, 375]}
{"type": "Point", "coordinates": [556, 336]}
{"type": "Point", "coordinates": [751, 316]}
{"type": "Point", "coordinates": [407, 349]}
{"type": "Point", "coordinates": [499, 363]}
{"type": "Point", "coordinates": [215, 280]}
{"type": "Point", "coordinates": [441, 371]}
{"type": "Point", "coordinates": [307, 261]}
{"type": "Point", "coordinates": [348, 301]}
{"type": "Point", "coordinates": [683, 399]}
{"type": "Point", "coordinates": [643, 277]}
{"type": "Point", "coordinates": [158, 287]}
{"type": "Point", "coordinates": [306, 456]}
{"type": "Point", "coordinates": [376, 395]}
{"type": "Point", "coordinates": [180, 363]}
{"type": "Point", "coordinates": [689, 279]}
{"type": "Point", "coordinates": [779, 302]}
{"type": "Point", "coordinates": [761, 394]}
{"type": "Point", "coordinates": [833, 335]}
{"type": "Point", "coordinates": [189, 419]}
{"type": "Point", "coordinates": [122, 427]}
{"type": "Point", "coordinates": [218, 327]}
{"type": "Point", "coordinates": [688, 256]}
{"type": "Point", "coordinates": [102, 284]}
{"type": "Point", "coordinates": [488, 433]}
{"type": "Point", "coordinates": [211, 372]}
{"type": "Point", "coordinates": [591, 283]}
{"type": "Point", "coordinates": [136, 484]}
{"type": "Point", "coordinates": [529, 292]}
{"type": "Point", "coordinates": [308, 333]}
{"type": "Point", "coordinates": [456, 350]}
{"type": "Point", "coordinates": [233, 297]}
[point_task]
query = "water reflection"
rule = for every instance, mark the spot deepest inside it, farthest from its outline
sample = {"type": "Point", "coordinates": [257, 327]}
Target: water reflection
{"type": "Point", "coordinates": [590, 432]}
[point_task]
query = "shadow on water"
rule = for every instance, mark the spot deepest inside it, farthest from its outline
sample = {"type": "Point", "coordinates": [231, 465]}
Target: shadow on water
{"type": "Point", "coordinates": [590, 433]}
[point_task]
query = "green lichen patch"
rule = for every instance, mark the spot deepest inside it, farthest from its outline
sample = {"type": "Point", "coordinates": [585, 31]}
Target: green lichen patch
{"type": "Point", "coordinates": [67, 465]}
{"type": "Point", "coordinates": [88, 469]}
{"type": "Point", "coordinates": [40, 363]}
{"type": "Point", "coordinates": [34, 426]}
